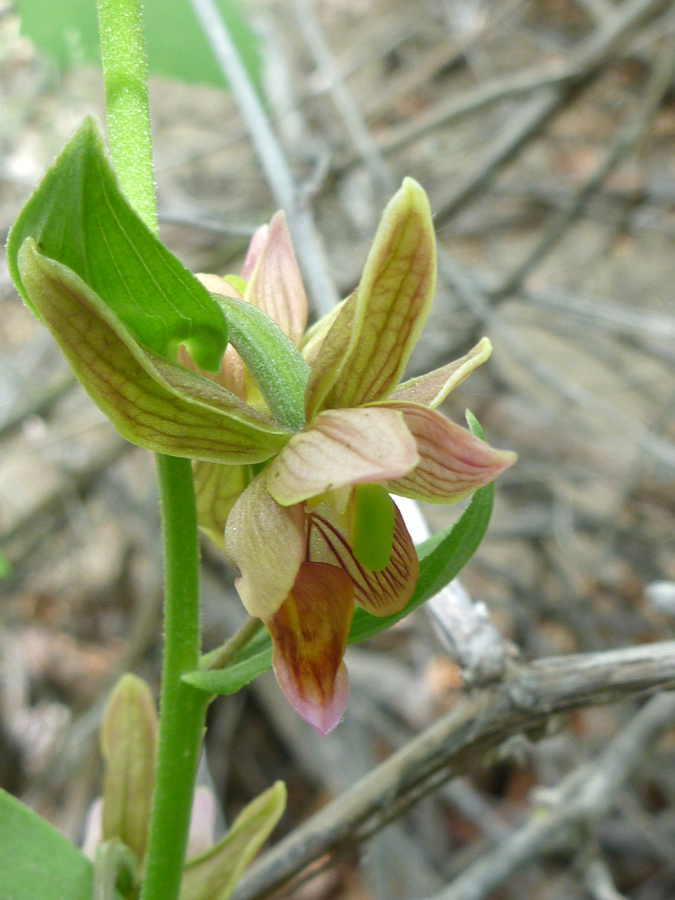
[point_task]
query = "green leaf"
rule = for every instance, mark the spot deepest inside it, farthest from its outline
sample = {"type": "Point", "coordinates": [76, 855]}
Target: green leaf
{"type": "Point", "coordinates": [151, 402]}
{"type": "Point", "coordinates": [36, 862]}
{"type": "Point", "coordinates": [441, 558]}
{"type": "Point", "coordinates": [214, 874]}
{"type": "Point", "coordinates": [79, 217]}
{"type": "Point", "coordinates": [254, 660]}
{"type": "Point", "coordinates": [68, 33]}
{"type": "Point", "coordinates": [275, 363]}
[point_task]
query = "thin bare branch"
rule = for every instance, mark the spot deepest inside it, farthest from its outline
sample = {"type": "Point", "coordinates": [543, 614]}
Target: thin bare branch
{"type": "Point", "coordinates": [624, 143]}
{"type": "Point", "coordinates": [523, 703]}
{"type": "Point", "coordinates": [583, 798]}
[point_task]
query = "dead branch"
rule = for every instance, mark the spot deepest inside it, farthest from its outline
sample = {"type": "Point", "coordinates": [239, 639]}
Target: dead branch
{"type": "Point", "coordinates": [524, 703]}
{"type": "Point", "coordinates": [583, 797]}
{"type": "Point", "coordinates": [271, 157]}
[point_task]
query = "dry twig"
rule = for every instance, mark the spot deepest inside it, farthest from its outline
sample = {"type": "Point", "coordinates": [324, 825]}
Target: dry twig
{"type": "Point", "coordinates": [583, 798]}
{"type": "Point", "coordinates": [524, 703]}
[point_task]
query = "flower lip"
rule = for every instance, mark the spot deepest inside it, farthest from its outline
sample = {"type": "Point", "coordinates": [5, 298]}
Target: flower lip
{"type": "Point", "coordinates": [309, 635]}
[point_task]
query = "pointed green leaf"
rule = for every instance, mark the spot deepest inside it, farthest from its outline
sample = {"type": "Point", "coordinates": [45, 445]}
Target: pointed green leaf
{"type": "Point", "coordinates": [275, 363]}
{"type": "Point", "coordinates": [79, 217]}
{"type": "Point", "coordinates": [214, 875]}
{"type": "Point", "coordinates": [36, 862]}
{"type": "Point", "coordinates": [255, 659]}
{"type": "Point", "coordinates": [151, 402]}
{"type": "Point", "coordinates": [441, 558]}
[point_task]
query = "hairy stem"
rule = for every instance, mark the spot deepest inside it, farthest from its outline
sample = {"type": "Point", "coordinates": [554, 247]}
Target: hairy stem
{"type": "Point", "coordinates": [125, 78]}
{"type": "Point", "coordinates": [182, 708]}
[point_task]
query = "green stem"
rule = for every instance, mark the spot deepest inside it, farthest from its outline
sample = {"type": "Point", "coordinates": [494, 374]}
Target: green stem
{"type": "Point", "coordinates": [125, 74]}
{"type": "Point", "coordinates": [223, 656]}
{"type": "Point", "coordinates": [182, 708]}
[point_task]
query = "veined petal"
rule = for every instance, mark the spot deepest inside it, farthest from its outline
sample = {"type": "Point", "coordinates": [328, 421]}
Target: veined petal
{"type": "Point", "coordinates": [379, 593]}
{"type": "Point", "coordinates": [342, 447]}
{"type": "Point", "coordinates": [151, 402]}
{"type": "Point", "coordinates": [453, 463]}
{"type": "Point", "coordinates": [326, 351]}
{"type": "Point", "coordinates": [275, 284]}
{"type": "Point", "coordinates": [217, 488]}
{"type": "Point", "coordinates": [129, 747]}
{"type": "Point", "coordinates": [393, 300]}
{"type": "Point", "coordinates": [309, 635]}
{"type": "Point", "coordinates": [267, 544]}
{"type": "Point", "coordinates": [432, 389]}
{"type": "Point", "coordinates": [254, 251]}
{"type": "Point", "coordinates": [231, 375]}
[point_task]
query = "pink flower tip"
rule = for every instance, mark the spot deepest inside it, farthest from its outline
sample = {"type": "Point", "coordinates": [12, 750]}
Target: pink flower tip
{"type": "Point", "coordinates": [323, 713]}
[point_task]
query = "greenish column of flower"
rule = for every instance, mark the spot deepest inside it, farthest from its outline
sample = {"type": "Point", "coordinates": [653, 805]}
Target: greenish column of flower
{"type": "Point", "coordinates": [182, 709]}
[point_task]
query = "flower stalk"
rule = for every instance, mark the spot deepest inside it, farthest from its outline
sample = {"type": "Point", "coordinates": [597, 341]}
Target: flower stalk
{"type": "Point", "coordinates": [182, 709]}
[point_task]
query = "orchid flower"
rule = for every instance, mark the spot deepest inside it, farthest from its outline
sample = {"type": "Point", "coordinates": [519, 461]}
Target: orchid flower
{"type": "Point", "coordinates": [299, 498]}
{"type": "Point", "coordinates": [316, 530]}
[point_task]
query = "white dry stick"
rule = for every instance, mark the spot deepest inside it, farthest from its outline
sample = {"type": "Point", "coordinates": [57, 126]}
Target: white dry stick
{"type": "Point", "coordinates": [463, 626]}
{"type": "Point", "coordinates": [342, 97]}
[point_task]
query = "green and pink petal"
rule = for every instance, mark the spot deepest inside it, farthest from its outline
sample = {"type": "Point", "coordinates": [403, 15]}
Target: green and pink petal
{"type": "Point", "coordinates": [342, 447]}
{"type": "Point", "coordinates": [309, 636]}
{"type": "Point", "coordinates": [217, 488]}
{"type": "Point", "coordinates": [431, 390]}
{"type": "Point", "coordinates": [453, 463]}
{"type": "Point", "coordinates": [266, 542]}
{"type": "Point", "coordinates": [392, 302]}
{"type": "Point", "coordinates": [275, 284]}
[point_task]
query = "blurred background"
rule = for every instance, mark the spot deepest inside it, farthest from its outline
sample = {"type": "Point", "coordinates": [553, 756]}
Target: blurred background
{"type": "Point", "coordinates": [544, 133]}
